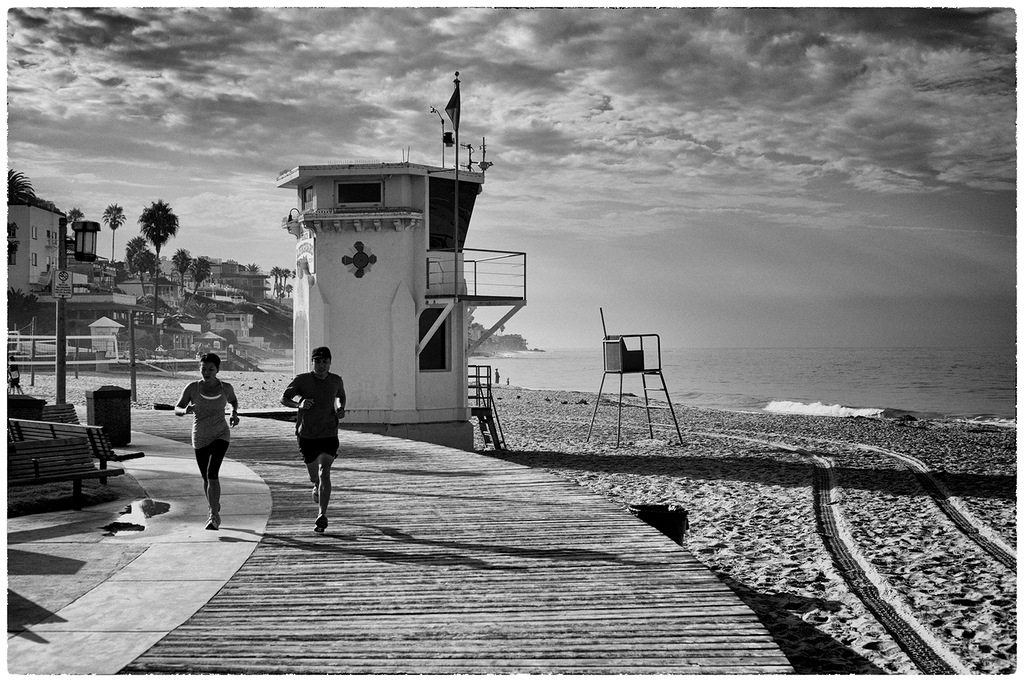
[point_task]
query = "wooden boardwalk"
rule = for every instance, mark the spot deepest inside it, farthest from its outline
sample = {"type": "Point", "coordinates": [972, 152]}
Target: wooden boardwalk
{"type": "Point", "coordinates": [439, 561]}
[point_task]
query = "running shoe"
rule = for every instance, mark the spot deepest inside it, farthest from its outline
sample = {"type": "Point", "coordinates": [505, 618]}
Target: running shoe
{"type": "Point", "coordinates": [321, 524]}
{"type": "Point", "coordinates": [213, 523]}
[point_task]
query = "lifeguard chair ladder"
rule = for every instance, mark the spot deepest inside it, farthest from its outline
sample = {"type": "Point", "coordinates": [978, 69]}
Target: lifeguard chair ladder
{"type": "Point", "coordinates": [620, 359]}
{"type": "Point", "coordinates": [481, 402]}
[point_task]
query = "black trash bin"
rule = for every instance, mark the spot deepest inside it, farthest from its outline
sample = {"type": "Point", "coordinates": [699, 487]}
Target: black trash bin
{"type": "Point", "coordinates": [111, 408]}
{"type": "Point", "coordinates": [25, 407]}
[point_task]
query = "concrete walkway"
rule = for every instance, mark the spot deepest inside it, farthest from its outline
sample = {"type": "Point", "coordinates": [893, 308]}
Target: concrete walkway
{"type": "Point", "coordinates": [89, 601]}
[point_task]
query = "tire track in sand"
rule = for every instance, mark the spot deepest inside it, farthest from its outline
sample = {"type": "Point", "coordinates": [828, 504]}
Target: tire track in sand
{"type": "Point", "coordinates": [930, 655]}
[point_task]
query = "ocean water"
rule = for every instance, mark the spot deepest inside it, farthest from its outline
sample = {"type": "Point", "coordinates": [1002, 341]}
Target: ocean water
{"type": "Point", "coordinates": [957, 383]}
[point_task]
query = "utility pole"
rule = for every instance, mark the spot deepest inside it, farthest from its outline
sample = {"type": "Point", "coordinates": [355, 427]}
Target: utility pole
{"type": "Point", "coordinates": [131, 352]}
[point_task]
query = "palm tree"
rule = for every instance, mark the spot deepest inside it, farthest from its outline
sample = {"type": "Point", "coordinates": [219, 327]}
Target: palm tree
{"type": "Point", "coordinates": [132, 251]}
{"type": "Point", "coordinates": [21, 308]}
{"type": "Point", "coordinates": [114, 218]}
{"type": "Point", "coordinates": [19, 188]}
{"type": "Point", "coordinates": [158, 224]}
{"type": "Point", "coordinates": [252, 267]}
{"type": "Point", "coordinates": [74, 215]}
{"type": "Point", "coordinates": [200, 310]}
{"type": "Point", "coordinates": [182, 261]}
{"type": "Point", "coordinates": [149, 263]}
{"type": "Point", "coordinates": [277, 273]}
{"type": "Point", "coordinates": [200, 270]}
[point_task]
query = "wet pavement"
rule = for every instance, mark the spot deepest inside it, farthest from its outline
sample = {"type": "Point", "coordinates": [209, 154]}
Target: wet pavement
{"type": "Point", "coordinates": [91, 590]}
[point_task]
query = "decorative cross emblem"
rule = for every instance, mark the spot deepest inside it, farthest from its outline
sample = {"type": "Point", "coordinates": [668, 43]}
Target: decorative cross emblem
{"type": "Point", "coordinates": [360, 260]}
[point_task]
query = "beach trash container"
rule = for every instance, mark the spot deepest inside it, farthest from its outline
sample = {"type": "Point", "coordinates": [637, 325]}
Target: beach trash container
{"type": "Point", "coordinates": [111, 408]}
{"type": "Point", "coordinates": [25, 407]}
{"type": "Point", "coordinates": [670, 519]}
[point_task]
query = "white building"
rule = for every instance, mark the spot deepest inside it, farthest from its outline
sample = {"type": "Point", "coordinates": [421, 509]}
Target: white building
{"type": "Point", "coordinates": [379, 283]}
{"type": "Point", "coordinates": [37, 232]}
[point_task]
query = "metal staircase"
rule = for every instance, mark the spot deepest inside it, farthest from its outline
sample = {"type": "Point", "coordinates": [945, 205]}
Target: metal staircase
{"type": "Point", "coordinates": [481, 402]}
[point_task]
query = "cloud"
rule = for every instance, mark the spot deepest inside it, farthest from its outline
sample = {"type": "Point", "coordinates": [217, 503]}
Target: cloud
{"type": "Point", "coordinates": [606, 126]}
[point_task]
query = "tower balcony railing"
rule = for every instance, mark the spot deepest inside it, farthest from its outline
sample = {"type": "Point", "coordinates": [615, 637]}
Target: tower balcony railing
{"type": "Point", "coordinates": [483, 276]}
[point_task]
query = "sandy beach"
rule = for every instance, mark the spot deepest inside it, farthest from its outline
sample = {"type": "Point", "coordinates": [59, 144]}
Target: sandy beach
{"type": "Point", "coordinates": [923, 512]}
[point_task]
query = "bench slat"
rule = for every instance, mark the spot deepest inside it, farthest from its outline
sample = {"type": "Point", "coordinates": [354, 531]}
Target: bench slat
{"type": "Point", "coordinates": [55, 460]}
{"type": "Point", "coordinates": [99, 441]}
{"type": "Point", "coordinates": [49, 457]}
{"type": "Point", "coordinates": [95, 473]}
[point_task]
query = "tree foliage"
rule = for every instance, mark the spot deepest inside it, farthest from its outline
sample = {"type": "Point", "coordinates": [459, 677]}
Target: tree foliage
{"type": "Point", "coordinates": [182, 262]}
{"type": "Point", "coordinates": [21, 308]}
{"type": "Point", "coordinates": [19, 188]}
{"type": "Point", "coordinates": [200, 270]}
{"type": "Point", "coordinates": [133, 251]}
{"type": "Point", "coordinates": [113, 217]}
{"type": "Point", "coordinates": [12, 241]}
{"type": "Point", "coordinates": [158, 224]}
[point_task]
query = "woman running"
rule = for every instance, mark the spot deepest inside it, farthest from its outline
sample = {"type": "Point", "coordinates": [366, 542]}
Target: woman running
{"type": "Point", "coordinates": [206, 399]}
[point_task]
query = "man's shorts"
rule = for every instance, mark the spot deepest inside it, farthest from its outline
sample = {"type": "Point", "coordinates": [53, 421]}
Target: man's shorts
{"type": "Point", "coordinates": [311, 448]}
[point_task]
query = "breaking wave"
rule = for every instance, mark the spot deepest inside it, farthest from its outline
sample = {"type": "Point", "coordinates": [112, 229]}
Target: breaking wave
{"type": "Point", "coordinates": [821, 409]}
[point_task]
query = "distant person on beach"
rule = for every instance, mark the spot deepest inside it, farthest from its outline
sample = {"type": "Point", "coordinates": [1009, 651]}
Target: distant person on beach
{"type": "Point", "coordinates": [320, 405]}
{"type": "Point", "coordinates": [497, 377]}
{"type": "Point", "coordinates": [14, 376]}
{"type": "Point", "coordinates": [211, 433]}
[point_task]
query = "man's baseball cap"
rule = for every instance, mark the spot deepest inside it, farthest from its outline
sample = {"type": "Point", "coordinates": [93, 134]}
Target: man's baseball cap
{"type": "Point", "coordinates": [322, 352]}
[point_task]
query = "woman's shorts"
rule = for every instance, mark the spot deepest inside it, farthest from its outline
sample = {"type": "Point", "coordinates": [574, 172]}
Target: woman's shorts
{"type": "Point", "coordinates": [311, 448]}
{"type": "Point", "coordinates": [210, 458]}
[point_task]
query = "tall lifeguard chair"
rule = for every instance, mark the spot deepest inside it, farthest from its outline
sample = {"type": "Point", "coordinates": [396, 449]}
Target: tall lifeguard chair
{"type": "Point", "coordinates": [633, 354]}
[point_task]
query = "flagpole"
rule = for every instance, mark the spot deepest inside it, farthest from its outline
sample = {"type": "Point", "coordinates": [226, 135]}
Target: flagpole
{"type": "Point", "coordinates": [458, 115]}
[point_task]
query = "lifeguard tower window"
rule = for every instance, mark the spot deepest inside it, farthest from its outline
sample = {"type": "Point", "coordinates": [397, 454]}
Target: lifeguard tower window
{"type": "Point", "coordinates": [442, 217]}
{"type": "Point", "coordinates": [360, 193]}
{"type": "Point", "coordinates": [434, 355]}
{"type": "Point", "coordinates": [307, 197]}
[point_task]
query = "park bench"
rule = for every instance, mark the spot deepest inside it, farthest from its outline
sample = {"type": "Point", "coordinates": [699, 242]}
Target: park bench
{"type": "Point", "coordinates": [99, 441]}
{"type": "Point", "coordinates": [61, 412]}
{"type": "Point", "coordinates": [54, 460]}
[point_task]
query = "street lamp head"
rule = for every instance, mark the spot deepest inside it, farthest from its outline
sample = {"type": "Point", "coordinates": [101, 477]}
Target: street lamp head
{"type": "Point", "coordinates": [85, 239]}
{"type": "Point", "coordinates": [292, 224]}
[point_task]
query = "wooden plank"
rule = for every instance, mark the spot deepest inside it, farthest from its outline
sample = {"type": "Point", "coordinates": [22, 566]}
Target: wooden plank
{"type": "Point", "coordinates": [446, 562]}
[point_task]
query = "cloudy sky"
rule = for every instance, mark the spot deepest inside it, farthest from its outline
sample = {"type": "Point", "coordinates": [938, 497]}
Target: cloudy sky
{"type": "Point", "coordinates": [723, 177]}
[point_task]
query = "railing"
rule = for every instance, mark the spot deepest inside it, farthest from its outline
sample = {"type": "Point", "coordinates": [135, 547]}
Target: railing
{"type": "Point", "coordinates": [479, 380]}
{"type": "Point", "coordinates": [482, 273]}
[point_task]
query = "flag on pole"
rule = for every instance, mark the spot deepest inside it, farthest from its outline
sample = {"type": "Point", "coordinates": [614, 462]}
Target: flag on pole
{"type": "Point", "coordinates": [454, 105]}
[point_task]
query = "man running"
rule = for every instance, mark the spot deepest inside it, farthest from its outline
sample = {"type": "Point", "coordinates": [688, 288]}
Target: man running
{"type": "Point", "coordinates": [321, 403]}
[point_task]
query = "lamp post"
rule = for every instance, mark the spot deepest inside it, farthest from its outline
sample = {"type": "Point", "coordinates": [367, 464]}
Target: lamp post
{"type": "Point", "coordinates": [444, 135]}
{"type": "Point", "coordinates": [60, 370]}
{"type": "Point", "coordinates": [84, 250]}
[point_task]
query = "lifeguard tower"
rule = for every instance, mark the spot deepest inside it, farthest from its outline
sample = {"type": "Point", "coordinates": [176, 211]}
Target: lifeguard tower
{"type": "Point", "coordinates": [633, 354]}
{"type": "Point", "coordinates": [385, 280]}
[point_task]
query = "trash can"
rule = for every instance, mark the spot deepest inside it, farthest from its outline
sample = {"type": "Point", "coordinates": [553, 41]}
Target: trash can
{"type": "Point", "coordinates": [111, 408]}
{"type": "Point", "coordinates": [25, 407]}
{"type": "Point", "coordinates": [670, 519]}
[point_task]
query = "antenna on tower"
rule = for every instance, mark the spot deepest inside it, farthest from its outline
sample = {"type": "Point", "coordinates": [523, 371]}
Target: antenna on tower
{"type": "Point", "coordinates": [484, 163]}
